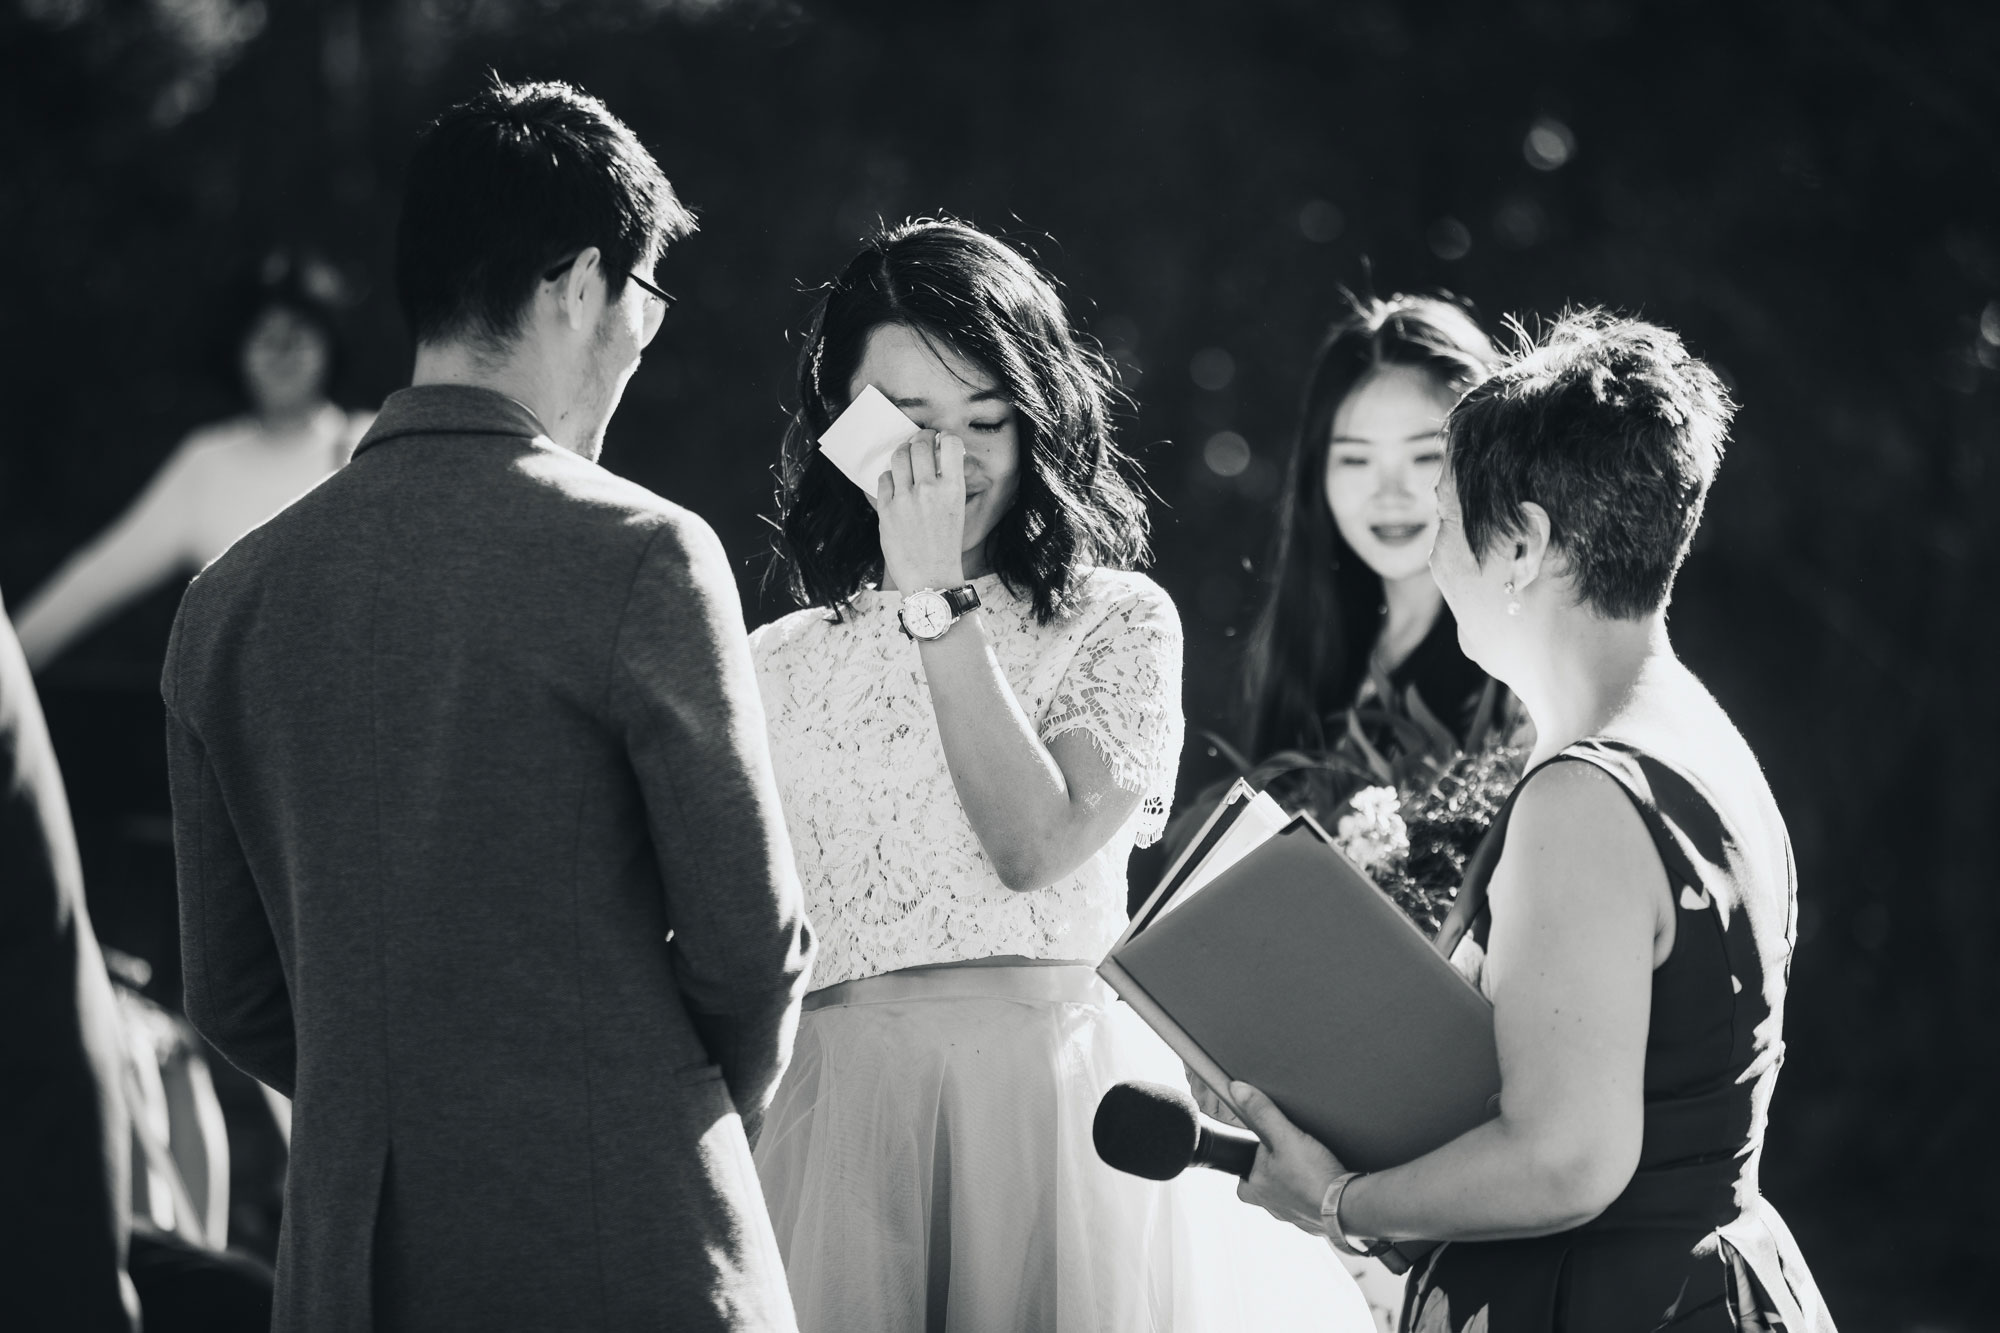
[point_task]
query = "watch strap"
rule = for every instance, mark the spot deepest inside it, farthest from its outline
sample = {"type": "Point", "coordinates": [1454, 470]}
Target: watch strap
{"type": "Point", "coordinates": [961, 599]}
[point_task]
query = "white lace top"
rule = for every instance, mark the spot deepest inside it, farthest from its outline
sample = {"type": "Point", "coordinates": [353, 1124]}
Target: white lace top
{"type": "Point", "coordinates": [894, 875]}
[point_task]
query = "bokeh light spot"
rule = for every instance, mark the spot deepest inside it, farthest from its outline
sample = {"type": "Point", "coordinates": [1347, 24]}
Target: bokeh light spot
{"type": "Point", "coordinates": [1212, 369]}
{"type": "Point", "coordinates": [1549, 145]}
{"type": "Point", "coordinates": [1321, 222]}
{"type": "Point", "coordinates": [1989, 323]}
{"type": "Point", "coordinates": [1450, 239]}
{"type": "Point", "coordinates": [1521, 223]}
{"type": "Point", "coordinates": [1226, 453]}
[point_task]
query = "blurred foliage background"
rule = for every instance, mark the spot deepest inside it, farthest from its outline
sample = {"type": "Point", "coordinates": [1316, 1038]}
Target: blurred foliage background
{"type": "Point", "coordinates": [1806, 189]}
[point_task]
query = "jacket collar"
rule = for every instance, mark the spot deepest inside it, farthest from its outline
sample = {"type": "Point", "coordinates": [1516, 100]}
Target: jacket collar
{"type": "Point", "coordinates": [452, 409]}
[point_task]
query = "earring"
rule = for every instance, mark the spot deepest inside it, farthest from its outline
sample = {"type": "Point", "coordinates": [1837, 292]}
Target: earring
{"type": "Point", "coordinates": [1513, 602]}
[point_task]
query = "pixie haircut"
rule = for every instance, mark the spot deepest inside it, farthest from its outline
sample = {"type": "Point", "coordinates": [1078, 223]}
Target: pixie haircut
{"type": "Point", "coordinates": [1076, 506]}
{"type": "Point", "coordinates": [1323, 606]}
{"type": "Point", "coordinates": [508, 185]}
{"type": "Point", "coordinates": [1613, 428]}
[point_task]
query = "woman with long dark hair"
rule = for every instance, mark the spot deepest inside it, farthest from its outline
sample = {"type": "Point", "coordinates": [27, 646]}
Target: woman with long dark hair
{"type": "Point", "coordinates": [973, 719]}
{"type": "Point", "coordinates": [1351, 608]}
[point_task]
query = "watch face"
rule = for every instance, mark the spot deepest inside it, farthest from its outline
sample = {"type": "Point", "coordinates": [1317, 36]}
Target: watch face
{"type": "Point", "coordinates": [926, 614]}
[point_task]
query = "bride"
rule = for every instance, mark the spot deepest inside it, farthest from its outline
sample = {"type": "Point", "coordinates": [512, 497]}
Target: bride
{"type": "Point", "coordinates": [973, 720]}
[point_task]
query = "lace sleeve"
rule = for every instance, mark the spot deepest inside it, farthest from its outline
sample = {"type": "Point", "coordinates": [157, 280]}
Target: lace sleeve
{"type": "Point", "coordinates": [1124, 688]}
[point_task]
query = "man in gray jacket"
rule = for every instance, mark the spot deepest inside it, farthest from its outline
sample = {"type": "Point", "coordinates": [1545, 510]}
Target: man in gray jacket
{"type": "Point", "coordinates": [481, 861]}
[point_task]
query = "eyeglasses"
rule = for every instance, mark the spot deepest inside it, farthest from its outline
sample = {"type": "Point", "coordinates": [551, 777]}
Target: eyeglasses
{"type": "Point", "coordinates": [665, 300]}
{"type": "Point", "coordinates": [650, 290]}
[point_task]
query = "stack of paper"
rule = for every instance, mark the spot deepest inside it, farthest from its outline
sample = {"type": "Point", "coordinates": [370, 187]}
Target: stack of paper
{"type": "Point", "coordinates": [1266, 956]}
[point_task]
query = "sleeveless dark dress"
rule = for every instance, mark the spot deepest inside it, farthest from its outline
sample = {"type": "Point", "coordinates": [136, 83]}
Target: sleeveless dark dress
{"type": "Point", "coordinates": [1690, 1244]}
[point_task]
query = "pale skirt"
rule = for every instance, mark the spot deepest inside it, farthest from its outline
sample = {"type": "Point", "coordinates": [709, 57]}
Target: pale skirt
{"type": "Point", "coordinates": [929, 1169]}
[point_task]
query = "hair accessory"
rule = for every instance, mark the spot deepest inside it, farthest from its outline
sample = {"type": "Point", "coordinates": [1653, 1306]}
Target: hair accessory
{"type": "Point", "coordinates": [1513, 602]}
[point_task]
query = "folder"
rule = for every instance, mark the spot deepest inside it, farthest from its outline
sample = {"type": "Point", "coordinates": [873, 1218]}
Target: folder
{"type": "Point", "coordinates": [1265, 955]}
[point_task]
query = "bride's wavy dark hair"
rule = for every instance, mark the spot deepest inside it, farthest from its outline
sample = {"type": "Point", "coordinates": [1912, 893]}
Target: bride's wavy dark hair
{"type": "Point", "coordinates": [1078, 504]}
{"type": "Point", "coordinates": [1322, 609]}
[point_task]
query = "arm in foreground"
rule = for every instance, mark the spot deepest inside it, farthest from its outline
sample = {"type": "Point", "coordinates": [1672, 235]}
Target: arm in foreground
{"type": "Point", "coordinates": [686, 696]}
{"type": "Point", "coordinates": [232, 977]}
{"type": "Point", "coordinates": [1575, 918]}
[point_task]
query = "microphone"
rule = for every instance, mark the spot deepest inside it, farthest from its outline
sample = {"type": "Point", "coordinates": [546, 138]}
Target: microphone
{"type": "Point", "coordinates": [1152, 1130]}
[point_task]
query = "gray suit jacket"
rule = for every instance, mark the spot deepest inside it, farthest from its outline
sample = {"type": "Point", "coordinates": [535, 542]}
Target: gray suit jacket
{"type": "Point", "coordinates": [481, 861]}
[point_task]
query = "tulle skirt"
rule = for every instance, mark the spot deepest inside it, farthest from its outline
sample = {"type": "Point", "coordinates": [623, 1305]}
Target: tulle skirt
{"type": "Point", "coordinates": [929, 1169]}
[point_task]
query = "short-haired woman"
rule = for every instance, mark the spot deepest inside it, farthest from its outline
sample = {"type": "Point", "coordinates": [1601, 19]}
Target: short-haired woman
{"type": "Point", "coordinates": [1631, 913]}
{"type": "Point", "coordinates": [973, 720]}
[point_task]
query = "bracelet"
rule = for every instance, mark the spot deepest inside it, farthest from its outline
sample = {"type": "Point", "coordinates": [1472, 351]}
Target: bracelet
{"type": "Point", "coordinates": [1329, 1218]}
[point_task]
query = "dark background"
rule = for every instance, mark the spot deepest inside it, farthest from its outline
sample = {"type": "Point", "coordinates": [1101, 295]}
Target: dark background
{"type": "Point", "coordinates": [1805, 190]}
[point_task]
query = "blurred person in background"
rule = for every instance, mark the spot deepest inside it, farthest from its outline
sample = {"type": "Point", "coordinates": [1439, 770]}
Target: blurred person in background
{"type": "Point", "coordinates": [1351, 613]}
{"type": "Point", "coordinates": [1632, 912]}
{"type": "Point", "coordinates": [223, 479]}
{"type": "Point", "coordinates": [973, 719]}
{"type": "Point", "coordinates": [180, 1145]}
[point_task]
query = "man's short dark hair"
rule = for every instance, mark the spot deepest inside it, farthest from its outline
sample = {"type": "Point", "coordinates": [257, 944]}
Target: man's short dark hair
{"type": "Point", "coordinates": [1616, 430]}
{"type": "Point", "coordinates": [511, 183]}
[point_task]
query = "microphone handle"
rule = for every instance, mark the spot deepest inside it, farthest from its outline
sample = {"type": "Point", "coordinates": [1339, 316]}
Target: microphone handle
{"type": "Point", "coordinates": [1235, 1152]}
{"type": "Point", "coordinates": [1225, 1150]}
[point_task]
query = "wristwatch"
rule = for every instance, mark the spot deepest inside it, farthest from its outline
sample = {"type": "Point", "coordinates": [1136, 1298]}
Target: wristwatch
{"type": "Point", "coordinates": [928, 612]}
{"type": "Point", "coordinates": [1329, 1221]}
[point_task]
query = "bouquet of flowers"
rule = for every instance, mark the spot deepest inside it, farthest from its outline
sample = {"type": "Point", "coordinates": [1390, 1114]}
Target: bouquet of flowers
{"type": "Point", "coordinates": [1406, 800]}
{"type": "Point", "coordinates": [1415, 842]}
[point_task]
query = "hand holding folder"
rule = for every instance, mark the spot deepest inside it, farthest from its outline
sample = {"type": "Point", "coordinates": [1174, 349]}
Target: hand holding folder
{"type": "Point", "coordinates": [1266, 956]}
